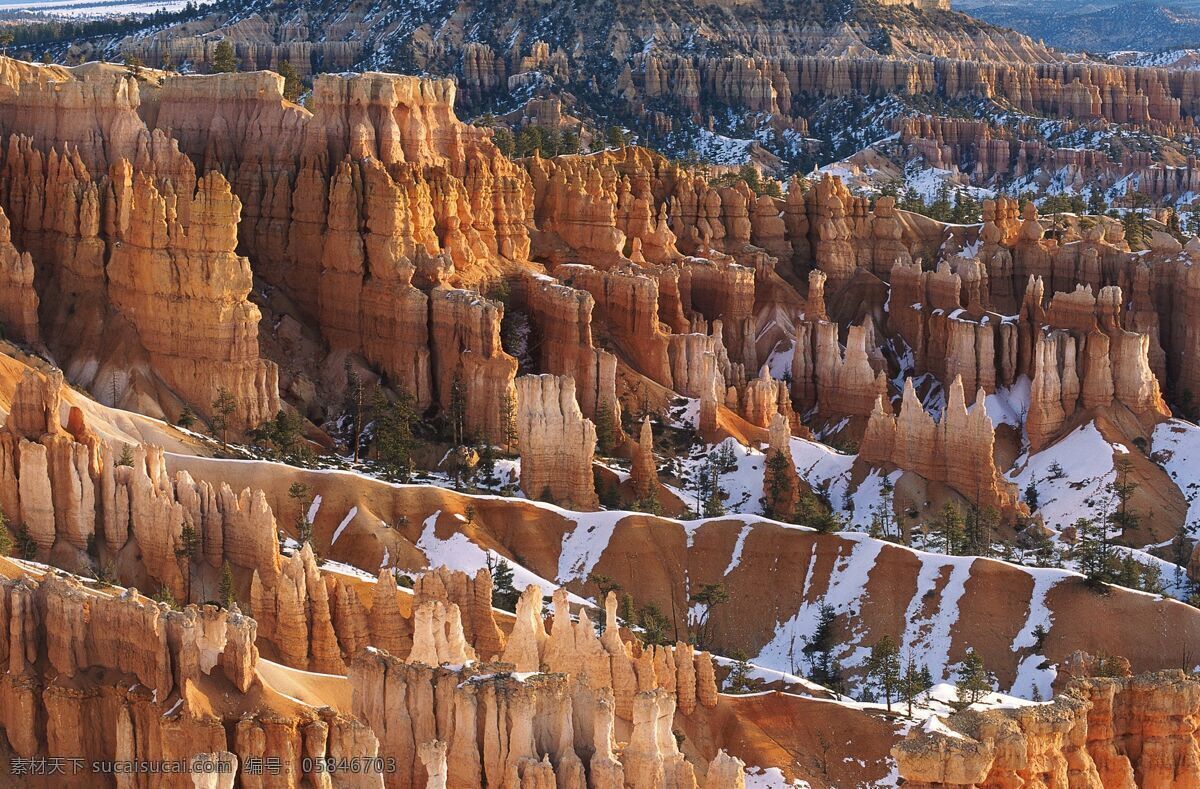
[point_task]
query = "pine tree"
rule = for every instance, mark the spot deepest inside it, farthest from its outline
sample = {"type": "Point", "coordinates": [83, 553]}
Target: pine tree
{"type": "Point", "coordinates": [503, 139]}
{"type": "Point", "coordinates": [292, 86]}
{"type": "Point", "coordinates": [709, 597]}
{"type": "Point", "coordinates": [778, 487]}
{"type": "Point", "coordinates": [739, 680]}
{"type": "Point", "coordinates": [1031, 496]}
{"type": "Point", "coordinates": [628, 613]}
{"type": "Point", "coordinates": [224, 60]}
{"type": "Point", "coordinates": [126, 457]}
{"type": "Point", "coordinates": [912, 684]}
{"type": "Point", "coordinates": [227, 591]}
{"type": "Point", "coordinates": [948, 529]}
{"type": "Point", "coordinates": [353, 407]}
{"type": "Point", "coordinates": [6, 538]}
{"type": "Point", "coordinates": [605, 429]}
{"type": "Point", "coordinates": [508, 420]}
{"type": "Point", "coordinates": [223, 407]}
{"type": "Point", "coordinates": [1121, 489]}
{"type": "Point", "coordinates": [883, 668]}
{"type": "Point", "coordinates": [456, 414]}
{"type": "Point", "coordinates": [299, 493]}
{"type": "Point", "coordinates": [164, 595]}
{"type": "Point", "coordinates": [972, 679]}
{"type": "Point", "coordinates": [187, 418]}
{"type": "Point", "coordinates": [189, 543]}
{"type": "Point", "coordinates": [1093, 551]}
{"type": "Point", "coordinates": [394, 441]}
{"type": "Point", "coordinates": [979, 529]}
{"type": "Point", "coordinates": [24, 546]}
{"type": "Point", "coordinates": [504, 594]}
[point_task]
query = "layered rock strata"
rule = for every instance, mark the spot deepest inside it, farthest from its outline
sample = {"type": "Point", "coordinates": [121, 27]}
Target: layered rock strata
{"type": "Point", "coordinates": [557, 443]}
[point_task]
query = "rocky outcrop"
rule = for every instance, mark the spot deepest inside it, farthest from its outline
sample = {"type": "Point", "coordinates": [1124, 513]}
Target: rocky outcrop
{"type": "Point", "coordinates": [64, 644]}
{"type": "Point", "coordinates": [626, 302]}
{"type": "Point", "coordinates": [18, 299]}
{"type": "Point", "coordinates": [1099, 732]}
{"type": "Point", "coordinates": [467, 355]}
{"type": "Point", "coordinates": [563, 316]}
{"type": "Point", "coordinates": [957, 450]}
{"type": "Point", "coordinates": [836, 383]}
{"type": "Point", "coordinates": [781, 482]}
{"type": "Point", "coordinates": [644, 471]}
{"type": "Point", "coordinates": [557, 443]}
{"type": "Point", "coordinates": [175, 275]}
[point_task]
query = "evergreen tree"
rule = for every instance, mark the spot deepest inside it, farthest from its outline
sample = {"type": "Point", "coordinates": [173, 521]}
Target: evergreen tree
{"type": "Point", "coordinates": [709, 597]}
{"type": "Point", "coordinates": [187, 418]}
{"type": "Point", "coordinates": [224, 60]}
{"type": "Point", "coordinates": [504, 594]}
{"type": "Point", "coordinates": [605, 429]}
{"type": "Point", "coordinates": [823, 668]}
{"type": "Point", "coordinates": [299, 493]}
{"type": "Point", "coordinates": [189, 543]}
{"type": "Point", "coordinates": [1097, 205]}
{"type": "Point", "coordinates": [292, 86]}
{"type": "Point", "coordinates": [883, 668]}
{"type": "Point", "coordinates": [126, 458]}
{"type": "Point", "coordinates": [227, 591]}
{"type": "Point", "coordinates": [628, 612]}
{"type": "Point", "coordinates": [163, 595]}
{"type": "Point", "coordinates": [508, 420]}
{"type": "Point", "coordinates": [6, 538]}
{"type": "Point", "coordinates": [778, 487]}
{"type": "Point", "coordinates": [972, 679]}
{"type": "Point", "coordinates": [912, 684]}
{"type": "Point", "coordinates": [604, 584]}
{"type": "Point", "coordinates": [948, 530]}
{"type": "Point", "coordinates": [394, 441]}
{"type": "Point", "coordinates": [456, 414]}
{"type": "Point", "coordinates": [978, 530]}
{"type": "Point", "coordinates": [614, 137]}
{"type": "Point", "coordinates": [654, 625]}
{"type": "Point", "coordinates": [353, 406]}
{"type": "Point", "coordinates": [24, 546]}
{"type": "Point", "coordinates": [1031, 496]}
{"type": "Point", "coordinates": [739, 680]}
{"type": "Point", "coordinates": [1093, 551]}
{"type": "Point", "coordinates": [503, 140]}
{"type": "Point", "coordinates": [223, 407]}
{"type": "Point", "coordinates": [1121, 489]}
{"type": "Point", "coordinates": [486, 468]}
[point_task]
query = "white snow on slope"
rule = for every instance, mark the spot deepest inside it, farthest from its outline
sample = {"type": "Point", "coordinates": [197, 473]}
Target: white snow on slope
{"type": "Point", "coordinates": [1030, 674]}
{"type": "Point", "coordinates": [342, 526]}
{"type": "Point", "coordinates": [930, 638]}
{"type": "Point", "coordinates": [1086, 460]}
{"type": "Point", "coordinates": [458, 553]}
{"type": "Point", "coordinates": [771, 778]}
{"type": "Point", "coordinates": [736, 557]}
{"type": "Point", "coordinates": [1176, 445]}
{"type": "Point", "coordinates": [583, 546]}
{"type": "Point", "coordinates": [845, 593]}
{"type": "Point", "coordinates": [314, 508]}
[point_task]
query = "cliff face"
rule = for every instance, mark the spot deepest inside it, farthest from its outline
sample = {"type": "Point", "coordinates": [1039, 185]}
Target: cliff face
{"type": "Point", "coordinates": [190, 688]}
{"type": "Point", "coordinates": [957, 451]}
{"type": "Point", "coordinates": [667, 67]}
{"type": "Point", "coordinates": [557, 443]}
{"type": "Point", "coordinates": [1100, 732]}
